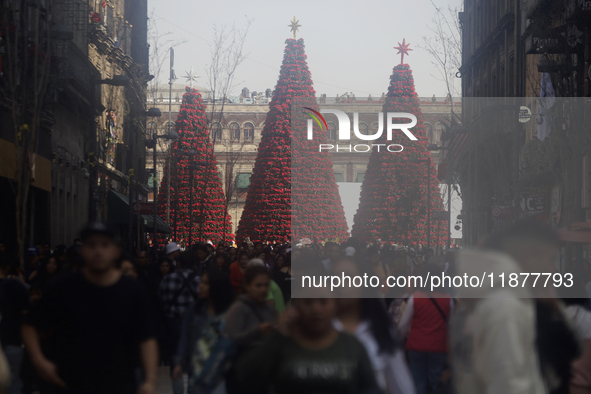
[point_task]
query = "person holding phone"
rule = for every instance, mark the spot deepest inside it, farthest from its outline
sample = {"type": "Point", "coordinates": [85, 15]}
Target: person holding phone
{"type": "Point", "coordinates": [251, 318]}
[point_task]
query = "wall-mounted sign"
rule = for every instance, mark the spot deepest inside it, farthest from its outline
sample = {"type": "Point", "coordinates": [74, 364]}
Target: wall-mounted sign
{"type": "Point", "coordinates": [524, 114]}
{"type": "Point", "coordinates": [533, 204]}
{"type": "Point", "coordinates": [562, 39]}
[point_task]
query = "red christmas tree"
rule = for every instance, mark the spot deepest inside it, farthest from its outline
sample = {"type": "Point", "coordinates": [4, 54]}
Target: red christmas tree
{"type": "Point", "coordinates": [276, 208]}
{"type": "Point", "coordinates": [394, 193]}
{"type": "Point", "coordinates": [192, 160]}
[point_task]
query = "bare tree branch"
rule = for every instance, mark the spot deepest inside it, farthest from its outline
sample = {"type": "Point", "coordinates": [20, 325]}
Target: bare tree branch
{"type": "Point", "coordinates": [227, 53]}
{"type": "Point", "coordinates": [445, 46]}
{"type": "Point", "coordinates": [28, 74]}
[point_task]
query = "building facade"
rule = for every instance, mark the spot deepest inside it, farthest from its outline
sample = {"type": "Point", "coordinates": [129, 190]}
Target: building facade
{"type": "Point", "coordinates": [95, 116]}
{"type": "Point", "coordinates": [510, 170]}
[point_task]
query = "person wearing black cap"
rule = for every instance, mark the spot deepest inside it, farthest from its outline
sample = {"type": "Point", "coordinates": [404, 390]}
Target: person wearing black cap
{"type": "Point", "coordinates": [97, 322]}
{"type": "Point", "coordinates": [32, 266]}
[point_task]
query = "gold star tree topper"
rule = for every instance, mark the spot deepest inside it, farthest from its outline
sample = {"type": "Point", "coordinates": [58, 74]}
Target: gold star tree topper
{"type": "Point", "coordinates": [294, 27]}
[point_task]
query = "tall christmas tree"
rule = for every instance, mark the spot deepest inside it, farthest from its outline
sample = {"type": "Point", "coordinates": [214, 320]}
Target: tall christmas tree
{"type": "Point", "coordinates": [192, 164]}
{"type": "Point", "coordinates": [395, 190]}
{"type": "Point", "coordinates": [293, 191]}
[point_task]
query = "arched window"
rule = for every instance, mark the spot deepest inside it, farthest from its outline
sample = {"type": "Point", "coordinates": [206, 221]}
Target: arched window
{"type": "Point", "coordinates": [216, 132]}
{"type": "Point", "coordinates": [248, 132]}
{"type": "Point", "coordinates": [169, 127]}
{"type": "Point", "coordinates": [151, 130]}
{"type": "Point", "coordinates": [363, 128]}
{"type": "Point", "coordinates": [332, 131]}
{"type": "Point", "coordinates": [235, 131]}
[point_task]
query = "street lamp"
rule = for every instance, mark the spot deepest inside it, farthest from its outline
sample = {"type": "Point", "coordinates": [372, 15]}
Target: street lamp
{"type": "Point", "coordinates": [151, 144]}
{"type": "Point", "coordinates": [428, 161]}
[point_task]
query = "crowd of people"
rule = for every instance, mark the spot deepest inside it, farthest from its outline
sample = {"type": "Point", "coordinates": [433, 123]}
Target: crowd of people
{"type": "Point", "coordinates": [90, 319]}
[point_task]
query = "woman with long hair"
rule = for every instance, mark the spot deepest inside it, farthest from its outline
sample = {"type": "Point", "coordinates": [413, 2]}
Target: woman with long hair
{"type": "Point", "coordinates": [202, 326]}
{"type": "Point", "coordinates": [367, 319]}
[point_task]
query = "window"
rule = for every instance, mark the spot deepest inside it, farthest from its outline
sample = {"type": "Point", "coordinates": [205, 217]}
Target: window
{"type": "Point", "coordinates": [151, 130]}
{"type": "Point", "coordinates": [242, 181]}
{"type": "Point", "coordinates": [429, 128]}
{"type": "Point", "coordinates": [363, 128]}
{"type": "Point", "coordinates": [216, 132]}
{"type": "Point", "coordinates": [332, 132]}
{"type": "Point", "coordinates": [248, 132]}
{"type": "Point", "coordinates": [235, 132]}
{"type": "Point", "coordinates": [360, 177]}
{"type": "Point", "coordinates": [338, 176]}
{"type": "Point", "coordinates": [169, 127]}
{"type": "Point", "coordinates": [439, 133]}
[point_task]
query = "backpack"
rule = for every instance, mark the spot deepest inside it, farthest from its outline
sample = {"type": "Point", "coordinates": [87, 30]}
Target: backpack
{"type": "Point", "coordinates": [219, 351]}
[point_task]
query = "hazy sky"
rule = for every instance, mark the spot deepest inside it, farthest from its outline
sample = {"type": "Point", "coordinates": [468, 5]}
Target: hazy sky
{"type": "Point", "coordinates": [349, 43]}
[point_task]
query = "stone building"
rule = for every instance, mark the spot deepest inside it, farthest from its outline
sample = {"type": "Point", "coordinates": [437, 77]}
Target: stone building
{"type": "Point", "coordinates": [508, 170]}
{"type": "Point", "coordinates": [492, 66]}
{"type": "Point", "coordinates": [96, 118]}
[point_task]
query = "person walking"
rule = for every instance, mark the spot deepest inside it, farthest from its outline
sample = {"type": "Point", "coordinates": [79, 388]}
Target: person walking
{"type": "Point", "coordinates": [368, 321]}
{"type": "Point", "coordinates": [251, 318]}
{"type": "Point", "coordinates": [177, 292]}
{"type": "Point", "coordinates": [425, 319]}
{"type": "Point", "coordinates": [310, 356]}
{"type": "Point", "coordinates": [14, 302]}
{"type": "Point", "coordinates": [534, 247]}
{"type": "Point", "coordinates": [96, 323]}
{"type": "Point", "coordinates": [202, 327]}
{"type": "Point", "coordinates": [237, 270]}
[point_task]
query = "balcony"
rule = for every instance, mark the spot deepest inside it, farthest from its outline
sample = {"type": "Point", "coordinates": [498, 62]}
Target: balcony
{"type": "Point", "coordinates": [76, 70]}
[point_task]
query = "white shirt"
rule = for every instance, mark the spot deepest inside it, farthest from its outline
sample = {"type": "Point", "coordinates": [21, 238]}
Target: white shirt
{"type": "Point", "coordinates": [391, 371]}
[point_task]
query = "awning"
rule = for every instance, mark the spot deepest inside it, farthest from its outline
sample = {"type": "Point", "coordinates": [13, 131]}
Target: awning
{"type": "Point", "coordinates": [577, 232]}
{"type": "Point", "coordinates": [162, 226]}
{"type": "Point", "coordinates": [119, 214]}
